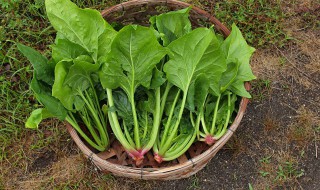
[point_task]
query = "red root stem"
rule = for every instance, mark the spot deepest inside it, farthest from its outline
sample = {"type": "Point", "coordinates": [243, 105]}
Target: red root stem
{"type": "Point", "coordinates": [137, 156]}
{"type": "Point", "coordinates": [210, 140]}
{"type": "Point", "coordinates": [158, 158]}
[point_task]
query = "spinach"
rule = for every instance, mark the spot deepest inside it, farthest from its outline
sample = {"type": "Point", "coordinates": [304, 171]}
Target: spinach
{"type": "Point", "coordinates": [41, 85]}
{"type": "Point", "coordinates": [172, 25]}
{"type": "Point", "coordinates": [67, 85]}
{"type": "Point", "coordinates": [134, 54]}
{"type": "Point", "coordinates": [161, 87]}
{"type": "Point", "coordinates": [236, 53]}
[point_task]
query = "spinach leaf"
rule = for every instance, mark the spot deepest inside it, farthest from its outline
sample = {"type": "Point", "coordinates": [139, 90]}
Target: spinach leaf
{"type": "Point", "coordinates": [80, 26]}
{"type": "Point", "coordinates": [187, 58]}
{"type": "Point", "coordinates": [123, 106]}
{"type": "Point", "coordinates": [172, 25]}
{"type": "Point", "coordinates": [36, 117]}
{"type": "Point", "coordinates": [105, 40]}
{"type": "Point", "coordinates": [66, 50]}
{"type": "Point", "coordinates": [43, 69]}
{"type": "Point", "coordinates": [186, 62]}
{"type": "Point", "coordinates": [43, 95]}
{"type": "Point", "coordinates": [79, 75]}
{"type": "Point", "coordinates": [61, 91]}
{"type": "Point", "coordinates": [238, 52]}
{"type": "Point", "coordinates": [135, 52]}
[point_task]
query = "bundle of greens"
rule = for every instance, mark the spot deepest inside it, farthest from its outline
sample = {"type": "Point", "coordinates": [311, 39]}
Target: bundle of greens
{"type": "Point", "coordinates": [161, 87]}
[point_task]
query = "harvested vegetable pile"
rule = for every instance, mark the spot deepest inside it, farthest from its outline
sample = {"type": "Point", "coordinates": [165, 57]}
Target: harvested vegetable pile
{"type": "Point", "coordinates": [161, 87]}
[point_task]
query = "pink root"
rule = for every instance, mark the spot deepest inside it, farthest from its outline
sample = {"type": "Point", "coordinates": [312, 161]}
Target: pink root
{"type": "Point", "coordinates": [210, 140]}
{"type": "Point", "coordinates": [137, 156]}
{"type": "Point", "coordinates": [158, 158]}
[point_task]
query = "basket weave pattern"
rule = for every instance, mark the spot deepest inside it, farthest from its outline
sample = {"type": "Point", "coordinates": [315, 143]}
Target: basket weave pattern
{"type": "Point", "coordinates": [115, 159]}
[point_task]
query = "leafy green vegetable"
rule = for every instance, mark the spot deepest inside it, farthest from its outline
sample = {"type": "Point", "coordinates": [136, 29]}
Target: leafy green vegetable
{"type": "Point", "coordinates": [42, 81]}
{"type": "Point", "coordinates": [80, 26]}
{"type": "Point", "coordinates": [161, 87]}
{"type": "Point", "coordinates": [173, 25]}
{"type": "Point", "coordinates": [66, 50]}
{"type": "Point", "coordinates": [36, 117]}
{"type": "Point", "coordinates": [42, 68]}
{"type": "Point", "coordinates": [186, 63]}
{"type": "Point", "coordinates": [134, 54]}
{"type": "Point", "coordinates": [237, 54]}
{"type": "Point", "coordinates": [66, 86]}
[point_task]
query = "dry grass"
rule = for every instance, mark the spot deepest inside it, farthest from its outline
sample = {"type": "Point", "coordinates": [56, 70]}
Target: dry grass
{"type": "Point", "coordinates": [302, 131]}
{"type": "Point", "coordinates": [270, 124]}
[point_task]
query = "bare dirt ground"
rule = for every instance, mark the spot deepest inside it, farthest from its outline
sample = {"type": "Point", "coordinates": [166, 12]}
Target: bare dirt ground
{"type": "Point", "coordinates": [275, 147]}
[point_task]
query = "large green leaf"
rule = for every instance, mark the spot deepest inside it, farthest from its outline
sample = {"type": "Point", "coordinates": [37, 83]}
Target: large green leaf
{"type": "Point", "coordinates": [239, 52]}
{"type": "Point", "coordinates": [135, 52]}
{"type": "Point", "coordinates": [187, 60]}
{"type": "Point", "coordinates": [66, 50]}
{"type": "Point", "coordinates": [60, 90]}
{"type": "Point", "coordinates": [79, 75]}
{"type": "Point", "coordinates": [229, 76]}
{"type": "Point", "coordinates": [43, 94]}
{"type": "Point", "coordinates": [216, 57]}
{"type": "Point", "coordinates": [43, 70]}
{"type": "Point", "coordinates": [105, 40]}
{"type": "Point", "coordinates": [173, 25]}
{"type": "Point", "coordinates": [80, 26]}
{"type": "Point", "coordinates": [71, 78]}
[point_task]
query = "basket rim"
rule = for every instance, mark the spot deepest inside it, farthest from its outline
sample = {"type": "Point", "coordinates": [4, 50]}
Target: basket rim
{"type": "Point", "coordinates": [122, 7]}
{"type": "Point", "coordinates": [157, 173]}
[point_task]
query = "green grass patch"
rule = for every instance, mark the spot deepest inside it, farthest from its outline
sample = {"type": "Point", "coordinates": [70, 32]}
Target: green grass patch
{"type": "Point", "coordinates": [260, 21]}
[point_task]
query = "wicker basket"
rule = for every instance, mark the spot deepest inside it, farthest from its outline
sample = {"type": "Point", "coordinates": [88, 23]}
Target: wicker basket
{"type": "Point", "coordinates": [116, 160]}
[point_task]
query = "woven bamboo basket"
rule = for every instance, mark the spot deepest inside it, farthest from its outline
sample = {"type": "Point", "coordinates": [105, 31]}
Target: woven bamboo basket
{"type": "Point", "coordinates": [115, 160]}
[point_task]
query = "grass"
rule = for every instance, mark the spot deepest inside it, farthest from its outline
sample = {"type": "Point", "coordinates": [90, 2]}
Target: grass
{"type": "Point", "coordinates": [194, 183]}
{"type": "Point", "coordinates": [261, 88]}
{"type": "Point", "coordinates": [16, 100]}
{"type": "Point", "coordinates": [279, 170]}
{"type": "Point", "coordinates": [261, 21]}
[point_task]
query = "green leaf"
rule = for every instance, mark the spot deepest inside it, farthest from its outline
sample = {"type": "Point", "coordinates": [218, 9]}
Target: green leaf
{"type": "Point", "coordinates": [185, 126]}
{"type": "Point", "coordinates": [173, 24]}
{"type": "Point", "coordinates": [43, 95]}
{"type": "Point", "coordinates": [44, 71]}
{"type": "Point", "coordinates": [202, 87]}
{"type": "Point", "coordinates": [61, 91]}
{"type": "Point", "coordinates": [217, 58]}
{"type": "Point", "coordinates": [237, 48]}
{"type": "Point", "coordinates": [147, 105]}
{"type": "Point", "coordinates": [79, 75]}
{"type": "Point", "coordinates": [66, 50]}
{"type": "Point", "coordinates": [135, 52]}
{"type": "Point", "coordinates": [238, 54]}
{"type": "Point", "coordinates": [198, 92]}
{"type": "Point", "coordinates": [105, 40]}
{"type": "Point", "coordinates": [157, 79]}
{"type": "Point", "coordinates": [36, 117]}
{"type": "Point", "coordinates": [80, 26]}
{"type": "Point", "coordinates": [123, 106]}
{"type": "Point", "coordinates": [78, 103]}
{"type": "Point", "coordinates": [238, 88]}
{"type": "Point", "coordinates": [187, 58]}
{"type": "Point", "coordinates": [229, 76]}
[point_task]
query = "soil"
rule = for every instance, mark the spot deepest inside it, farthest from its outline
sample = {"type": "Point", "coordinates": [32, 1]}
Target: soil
{"type": "Point", "coordinates": [44, 161]}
